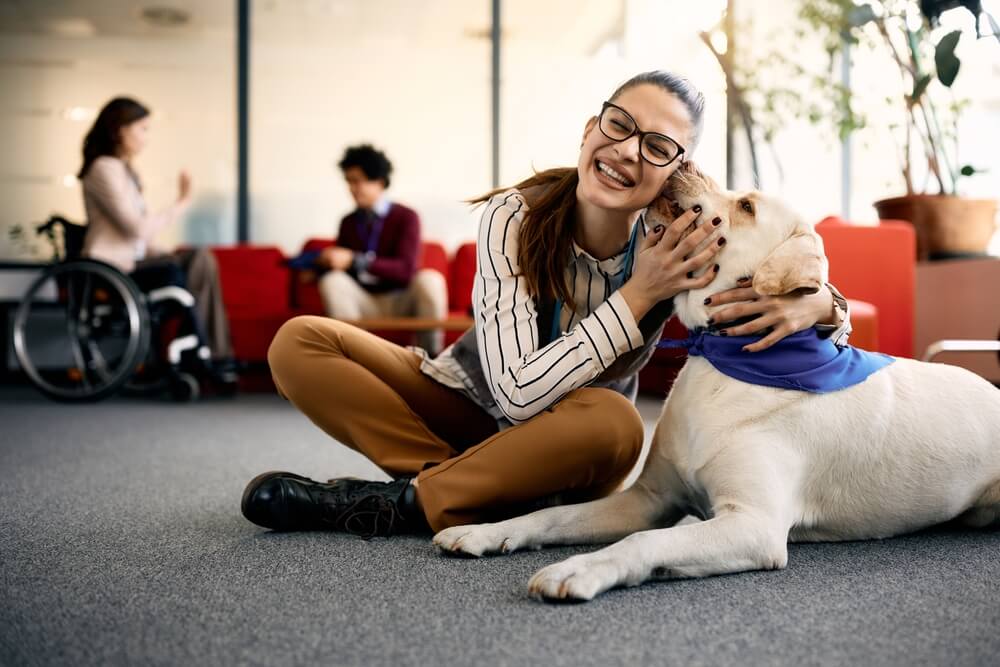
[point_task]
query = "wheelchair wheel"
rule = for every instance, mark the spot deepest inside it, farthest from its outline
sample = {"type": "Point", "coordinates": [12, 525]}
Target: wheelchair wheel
{"type": "Point", "coordinates": [184, 388]}
{"type": "Point", "coordinates": [81, 331]}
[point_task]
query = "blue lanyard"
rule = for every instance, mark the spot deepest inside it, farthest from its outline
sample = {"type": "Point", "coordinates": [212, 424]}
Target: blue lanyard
{"type": "Point", "coordinates": [374, 231]}
{"type": "Point", "coordinates": [625, 273]}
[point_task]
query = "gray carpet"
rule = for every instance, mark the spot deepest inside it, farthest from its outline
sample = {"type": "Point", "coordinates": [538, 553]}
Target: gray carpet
{"type": "Point", "coordinates": [121, 542]}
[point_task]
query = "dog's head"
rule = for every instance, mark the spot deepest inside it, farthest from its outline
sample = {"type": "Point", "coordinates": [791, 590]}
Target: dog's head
{"type": "Point", "coordinates": [764, 238]}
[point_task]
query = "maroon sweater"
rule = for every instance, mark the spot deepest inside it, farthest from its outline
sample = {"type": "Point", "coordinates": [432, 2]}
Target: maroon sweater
{"type": "Point", "coordinates": [397, 250]}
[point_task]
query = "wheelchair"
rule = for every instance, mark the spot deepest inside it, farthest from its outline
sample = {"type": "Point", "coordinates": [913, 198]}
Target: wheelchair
{"type": "Point", "coordinates": [84, 331]}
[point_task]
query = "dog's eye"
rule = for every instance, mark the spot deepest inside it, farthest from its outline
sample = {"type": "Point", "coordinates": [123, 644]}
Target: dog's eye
{"type": "Point", "coordinates": [746, 206]}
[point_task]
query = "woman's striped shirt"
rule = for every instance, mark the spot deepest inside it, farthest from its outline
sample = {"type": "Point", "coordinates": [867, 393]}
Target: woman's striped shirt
{"type": "Point", "coordinates": [523, 379]}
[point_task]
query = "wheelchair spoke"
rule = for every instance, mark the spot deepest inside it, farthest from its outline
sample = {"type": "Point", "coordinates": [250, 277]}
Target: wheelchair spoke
{"type": "Point", "coordinates": [80, 331]}
{"type": "Point", "coordinates": [74, 344]}
{"type": "Point", "coordinates": [72, 330]}
{"type": "Point", "coordinates": [85, 298]}
{"type": "Point", "coordinates": [97, 361]}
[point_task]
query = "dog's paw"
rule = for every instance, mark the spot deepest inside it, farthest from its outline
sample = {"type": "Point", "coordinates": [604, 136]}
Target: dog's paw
{"type": "Point", "coordinates": [475, 540]}
{"type": "Point", "coordinates": [577, 578]}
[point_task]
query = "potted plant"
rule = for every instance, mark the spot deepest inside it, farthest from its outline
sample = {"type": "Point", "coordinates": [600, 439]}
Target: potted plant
{"type": "Point", "coordinates": [908, 33]}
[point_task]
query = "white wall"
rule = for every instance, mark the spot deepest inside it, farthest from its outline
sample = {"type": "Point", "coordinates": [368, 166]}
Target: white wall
{"type": "Point", "coordinates": [413, 78]}
{"type": "Point", "coordinates": [189, 84]}
{"type": "Point", "coordinates": [416, 83]}
{"type": "Point", "coordinates": [407, 78]}
{"type": "Point", "coordinates": [552, 89]}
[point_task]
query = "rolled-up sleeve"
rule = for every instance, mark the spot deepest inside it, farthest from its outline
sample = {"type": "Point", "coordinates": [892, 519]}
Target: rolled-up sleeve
{"type": "Point", "coordinates": [838, 333]}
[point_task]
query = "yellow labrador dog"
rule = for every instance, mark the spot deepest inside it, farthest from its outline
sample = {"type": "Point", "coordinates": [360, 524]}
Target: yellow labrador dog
{"type": "Point", "coordinates": [911, 446]}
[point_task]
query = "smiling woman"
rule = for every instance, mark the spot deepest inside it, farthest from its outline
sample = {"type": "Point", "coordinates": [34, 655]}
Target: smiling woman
{"type": "Point", "coordinates": [534, 404]}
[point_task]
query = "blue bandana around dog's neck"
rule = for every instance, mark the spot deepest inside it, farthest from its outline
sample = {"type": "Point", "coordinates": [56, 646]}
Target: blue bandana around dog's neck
{"type": "Point", "coordinates": [802, 361]}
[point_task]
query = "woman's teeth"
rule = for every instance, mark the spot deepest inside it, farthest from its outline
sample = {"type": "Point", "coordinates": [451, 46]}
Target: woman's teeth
{"type": "Point", "coordinates": [614, 175]}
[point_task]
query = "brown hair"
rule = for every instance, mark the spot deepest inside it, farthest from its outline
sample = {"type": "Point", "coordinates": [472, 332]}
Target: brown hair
{"type": "Point", "coordinates": [102, 139]}
{"type": "Point", "coordinates": [547, 231]}
{"type": "Point", "coordinates": [548, 225]}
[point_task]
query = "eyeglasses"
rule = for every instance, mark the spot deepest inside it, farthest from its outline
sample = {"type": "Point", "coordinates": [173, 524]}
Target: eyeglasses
{"type": "Point", "coordinates": [657, 149]}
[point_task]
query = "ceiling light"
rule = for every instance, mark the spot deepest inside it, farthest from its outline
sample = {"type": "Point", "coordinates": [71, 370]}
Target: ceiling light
{"type": "Point", "coordinates": [78, 113]}
{"type": "Point", "coordinates": [70, 27]}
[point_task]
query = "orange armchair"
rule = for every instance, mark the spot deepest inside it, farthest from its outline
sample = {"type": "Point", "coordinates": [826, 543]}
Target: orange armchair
{"type": "Point", "coordinates": [876, 264]}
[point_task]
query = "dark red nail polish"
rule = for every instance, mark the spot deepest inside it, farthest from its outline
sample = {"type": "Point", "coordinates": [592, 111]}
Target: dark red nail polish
{"type": "Point", "coordinates": [658, 229]}
{"type": "Point", "coordinates": [723, 333]}
{"type": "Point", "coordinates": [716, 221]}
{"type": "Point", "coordinates": [708, 301]}
{"type": "Point", "coordinates": [696, 208]}
{"type": "Point", "coordinates": [716, 268]}
{"type": "Point", "coordinates": [722, 242]}
{"type": "Point", "coordinates": [690, 274]}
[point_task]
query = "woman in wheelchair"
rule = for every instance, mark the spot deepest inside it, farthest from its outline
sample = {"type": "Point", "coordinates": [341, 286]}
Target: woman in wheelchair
{"type": "Point", "coordinates": [120, 229]}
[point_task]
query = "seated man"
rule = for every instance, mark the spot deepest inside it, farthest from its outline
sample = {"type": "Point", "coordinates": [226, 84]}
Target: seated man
{"type": "Point", "coordinates": [373, 267]}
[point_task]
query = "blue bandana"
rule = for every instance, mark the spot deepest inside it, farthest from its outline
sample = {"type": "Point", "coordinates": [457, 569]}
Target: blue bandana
{"type": "Point", "coordinates": [802, 361]}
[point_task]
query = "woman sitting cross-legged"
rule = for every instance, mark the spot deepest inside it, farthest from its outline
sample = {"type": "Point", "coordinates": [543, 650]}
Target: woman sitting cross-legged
{"type": "Point", "coordinates": [534, 404]}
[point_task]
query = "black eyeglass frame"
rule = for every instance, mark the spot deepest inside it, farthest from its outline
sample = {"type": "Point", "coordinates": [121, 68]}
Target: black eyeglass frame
{"type": "Point", "coordinates": [642, 135]}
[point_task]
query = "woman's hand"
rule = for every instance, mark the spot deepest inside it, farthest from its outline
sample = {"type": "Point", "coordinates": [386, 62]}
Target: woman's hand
{"type": "Point", "coordinates": [776, 316]}
{"type": "Point", "coordinates": [184, 188]}
{"type": "Point", "coordinates": [665, 264]}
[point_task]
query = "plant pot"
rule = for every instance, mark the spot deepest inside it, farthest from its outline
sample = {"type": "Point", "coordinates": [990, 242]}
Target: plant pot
{"type": "Point", "coordinates": [946, 226]}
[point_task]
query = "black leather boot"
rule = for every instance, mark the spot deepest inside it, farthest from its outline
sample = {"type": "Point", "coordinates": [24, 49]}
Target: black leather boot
{"type": "Point", "coordinates": [284, 501]}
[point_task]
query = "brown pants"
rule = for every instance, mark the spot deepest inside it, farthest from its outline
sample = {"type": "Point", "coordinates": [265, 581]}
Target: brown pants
{"type": "Point", "coordinates": [201, 278]}
{"type": "Point", "coordinates": [203, 282]}
{"type": "Point", "coordinates": [370, 395]}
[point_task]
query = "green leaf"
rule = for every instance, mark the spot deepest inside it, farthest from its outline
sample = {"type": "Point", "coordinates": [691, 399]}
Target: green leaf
{"type": "Point", "coordinates": [968, 170]}
{"type": "Point", "coordinates": [920, 86]}
{"type": "Point", "coordinates": [945, 59]}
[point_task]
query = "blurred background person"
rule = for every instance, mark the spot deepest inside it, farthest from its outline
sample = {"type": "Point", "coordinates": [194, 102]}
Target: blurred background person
{"type": "Point", "coordinates": [120, 229]}
{"type": "Point", "coordinates": [373, 268]}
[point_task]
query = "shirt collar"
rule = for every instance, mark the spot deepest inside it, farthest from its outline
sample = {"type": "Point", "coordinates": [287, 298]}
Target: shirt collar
{"type": "Point", "coordinates": [613, 263]}
{"type": "Point", "coordinates": [381, 207]}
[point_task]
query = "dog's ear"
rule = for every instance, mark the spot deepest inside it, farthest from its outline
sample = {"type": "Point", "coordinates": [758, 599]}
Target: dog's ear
{"type": "Point", "coordinates": [659, 213]}
{"type": "Point", "coordinates": [688, 179]}
{"type": "Point", "coordinates": [797, 265]}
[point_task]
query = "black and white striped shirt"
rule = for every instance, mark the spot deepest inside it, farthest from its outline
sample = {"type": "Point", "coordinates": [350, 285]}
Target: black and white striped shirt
{"type": "Point", "coordinates": [524, 379]}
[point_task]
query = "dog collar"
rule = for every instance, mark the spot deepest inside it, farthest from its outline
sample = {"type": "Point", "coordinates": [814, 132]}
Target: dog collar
{"type": "Point", "coordinates": [802, 361]}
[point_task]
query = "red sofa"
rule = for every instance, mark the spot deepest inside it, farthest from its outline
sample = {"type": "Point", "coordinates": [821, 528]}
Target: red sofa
{"type": "Point", "coordinates": [873, 266]}
{"type": "Point", "coordinates": [256, 288]}
{"type": "Point", "coordinates": [261, 292]}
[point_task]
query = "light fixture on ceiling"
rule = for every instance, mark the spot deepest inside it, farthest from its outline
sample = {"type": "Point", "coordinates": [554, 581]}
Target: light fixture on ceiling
{"type": "Point", "coordinates": [162, 16]}
{"type": "Point", "coordinates": [78, 113]}
{"type": "Point", "coordinates": [70, 27]}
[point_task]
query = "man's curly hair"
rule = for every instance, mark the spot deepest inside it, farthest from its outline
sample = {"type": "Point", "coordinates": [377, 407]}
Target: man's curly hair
{"type": "Point", "coordinates": [372, 162]}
